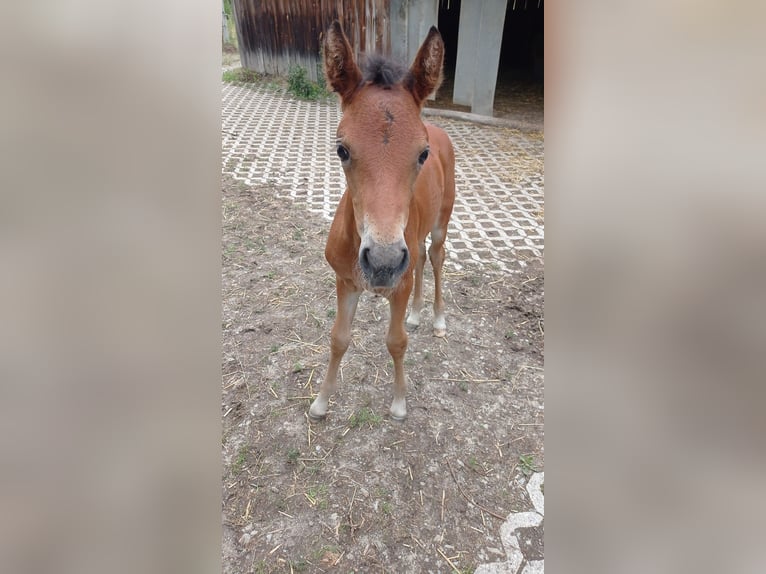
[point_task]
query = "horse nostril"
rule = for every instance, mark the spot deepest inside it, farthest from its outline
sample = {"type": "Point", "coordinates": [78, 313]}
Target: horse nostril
{"type": "Point", "coordinates": [364, 258]}
{"type": "Point", "coordinates": [405, 258]}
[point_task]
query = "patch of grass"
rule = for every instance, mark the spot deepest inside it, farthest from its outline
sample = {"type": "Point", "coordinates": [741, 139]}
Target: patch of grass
{"type": "Point", "coordinates": [384, 495]}
{"type": "Point", "coordinates": [240, 76]}
{"type": "Point", "coordinates": [527, 464]}
{"type": "Point", "coordinates": [317, 495]}
{"type": "Point", "coordinates": [331, 313]}
{"type": "Point", "coordinates": [510, 334]}
{"type": "Point", "coordinates": [463, 386]}
{"type": "Point", "coordinates": [297, 368]}
{"type": "Point", "coordinates": [299, 565]}
{"type": "Point", "coordinates": [364, 416]}
{"type": "Point", "coordinates": [239, 462]}
{"type": "Point", "coordinates": [274, 348]}
{"type": "Point", "coordinates": [299, 85]}
{"type": "Point", "coordinates": [293, 454]}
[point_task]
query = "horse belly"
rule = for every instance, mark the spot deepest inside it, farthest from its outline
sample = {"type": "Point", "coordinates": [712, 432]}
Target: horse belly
{"type": "Point", "coordinates": [429, 190]}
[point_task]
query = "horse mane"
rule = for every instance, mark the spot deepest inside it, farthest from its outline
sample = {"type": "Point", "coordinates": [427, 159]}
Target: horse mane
{"type": "Point", "coordinates": [384, 72]}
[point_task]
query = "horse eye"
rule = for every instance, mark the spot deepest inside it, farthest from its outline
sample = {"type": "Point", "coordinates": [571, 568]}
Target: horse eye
{"type": "Point", "coordinates": [423, 157]}
{"type": "Point", "coordinates": [343, 153]}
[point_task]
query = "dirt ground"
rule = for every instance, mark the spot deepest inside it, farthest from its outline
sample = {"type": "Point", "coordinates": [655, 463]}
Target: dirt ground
{"type": "Point", "coordinates": [515, 99]}
{"type": "Point", "coordinates": [360, 492]}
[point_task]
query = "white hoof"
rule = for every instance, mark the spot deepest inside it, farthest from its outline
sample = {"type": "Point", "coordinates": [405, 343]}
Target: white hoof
{"type": "Point", "coordinates": [399, 409]}
{"type": "Point", "coordinates": [413, 319]}
{"type": "Point", "coordinates": [318, 409]}
{"type": "Point", "coordinates": [440, 327]}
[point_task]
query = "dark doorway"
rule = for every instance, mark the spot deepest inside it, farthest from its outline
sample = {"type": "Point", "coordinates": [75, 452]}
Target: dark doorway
{"type": "Point", "coordinates": [519, 89]}
{"type": "Point", "coordinates": [521, 55]}
{"type": "Point", "coordinates": [449, 21]}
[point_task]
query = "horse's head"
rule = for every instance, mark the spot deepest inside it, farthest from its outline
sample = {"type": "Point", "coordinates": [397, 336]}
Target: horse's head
{"type": "Point", "coordinates": [382, 144]}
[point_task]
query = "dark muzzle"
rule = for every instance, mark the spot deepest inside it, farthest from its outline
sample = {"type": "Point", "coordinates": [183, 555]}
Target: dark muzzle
{"type": "Point", "coordinates": [383, 265]}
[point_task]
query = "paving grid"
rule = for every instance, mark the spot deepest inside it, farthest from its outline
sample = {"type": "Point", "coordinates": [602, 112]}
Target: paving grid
{"type": "Point", "coordinates": [268, 137]}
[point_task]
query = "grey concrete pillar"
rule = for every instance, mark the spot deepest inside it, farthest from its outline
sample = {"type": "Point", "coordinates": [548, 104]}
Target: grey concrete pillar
{"type": "Point", "coordinates": [478, 54]}
{"type": "Point", "coordinates": [398, 29]}
{"type": "Point", "coordinates": [410, 22]}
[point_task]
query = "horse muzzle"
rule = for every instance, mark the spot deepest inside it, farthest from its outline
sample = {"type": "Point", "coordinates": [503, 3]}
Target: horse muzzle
{"type": "Point", "coordinates": [383, 264]}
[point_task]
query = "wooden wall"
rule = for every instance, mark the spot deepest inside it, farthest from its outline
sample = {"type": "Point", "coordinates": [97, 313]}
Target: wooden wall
{"type": "Point", "coordinates": [277, 34]}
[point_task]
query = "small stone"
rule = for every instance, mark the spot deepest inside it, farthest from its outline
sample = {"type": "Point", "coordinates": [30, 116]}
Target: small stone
{"type": "Point", "coordinates": [245, 539]}
{"type": "Point", "coordinates": [496, 551]}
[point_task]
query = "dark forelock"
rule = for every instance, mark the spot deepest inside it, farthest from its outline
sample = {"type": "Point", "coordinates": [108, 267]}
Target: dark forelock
{"type": "Point", "coordinates": [383, 71]}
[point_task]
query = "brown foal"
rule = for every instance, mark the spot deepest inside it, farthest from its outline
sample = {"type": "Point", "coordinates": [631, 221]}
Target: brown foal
{"type": "Point", "coordinates": [400, 175]}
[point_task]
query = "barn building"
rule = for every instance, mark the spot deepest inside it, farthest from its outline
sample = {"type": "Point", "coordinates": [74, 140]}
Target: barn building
{"type": "Point", "coordinates": [486, 40]}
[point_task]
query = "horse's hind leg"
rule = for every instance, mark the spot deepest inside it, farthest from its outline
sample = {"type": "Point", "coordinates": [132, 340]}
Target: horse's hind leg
{"type": "Point", "coordinates": [436, 252]}
{"type": "Point", "coordinates": [413, 319]}
{"type": "Point", "coordinates": [340, 337]}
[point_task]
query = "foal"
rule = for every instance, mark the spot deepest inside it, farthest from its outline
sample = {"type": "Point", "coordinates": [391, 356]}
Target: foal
{"type": "Point", "coordinates": [400, 176]}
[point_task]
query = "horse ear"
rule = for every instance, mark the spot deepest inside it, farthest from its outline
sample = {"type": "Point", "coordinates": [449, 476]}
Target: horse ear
{"type": "Point", "coordinates": [340, 69]}
{"type": "Point", "coordinates": [426, 70]}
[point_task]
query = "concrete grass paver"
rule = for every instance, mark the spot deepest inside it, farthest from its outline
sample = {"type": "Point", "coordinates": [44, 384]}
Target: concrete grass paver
{"type": "Point", "coordinates": [516, 561]}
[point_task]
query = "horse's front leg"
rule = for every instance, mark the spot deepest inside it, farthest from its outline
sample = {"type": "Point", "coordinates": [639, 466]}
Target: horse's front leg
{"type": "Point", "coordinates": [396, 341]}
{"type": "Point", "coordinates": [340, 337]}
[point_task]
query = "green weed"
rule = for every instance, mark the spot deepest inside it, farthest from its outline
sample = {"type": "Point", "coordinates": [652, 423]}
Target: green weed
{"type": "Point", "coordinates": [239, 462]}
{"type": "Point", "coordinates": [299, 85]}
{"type": "Point", "coordinates": [240, 76]}
{"type": "Point", "coordinates": [364, 416]}
{"type": "Point", "coordinates": [317, 495]}
{"type": "Point", "coordinates": [292, 455]}
{"type": "Point", "coordinates": [527, 464]}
